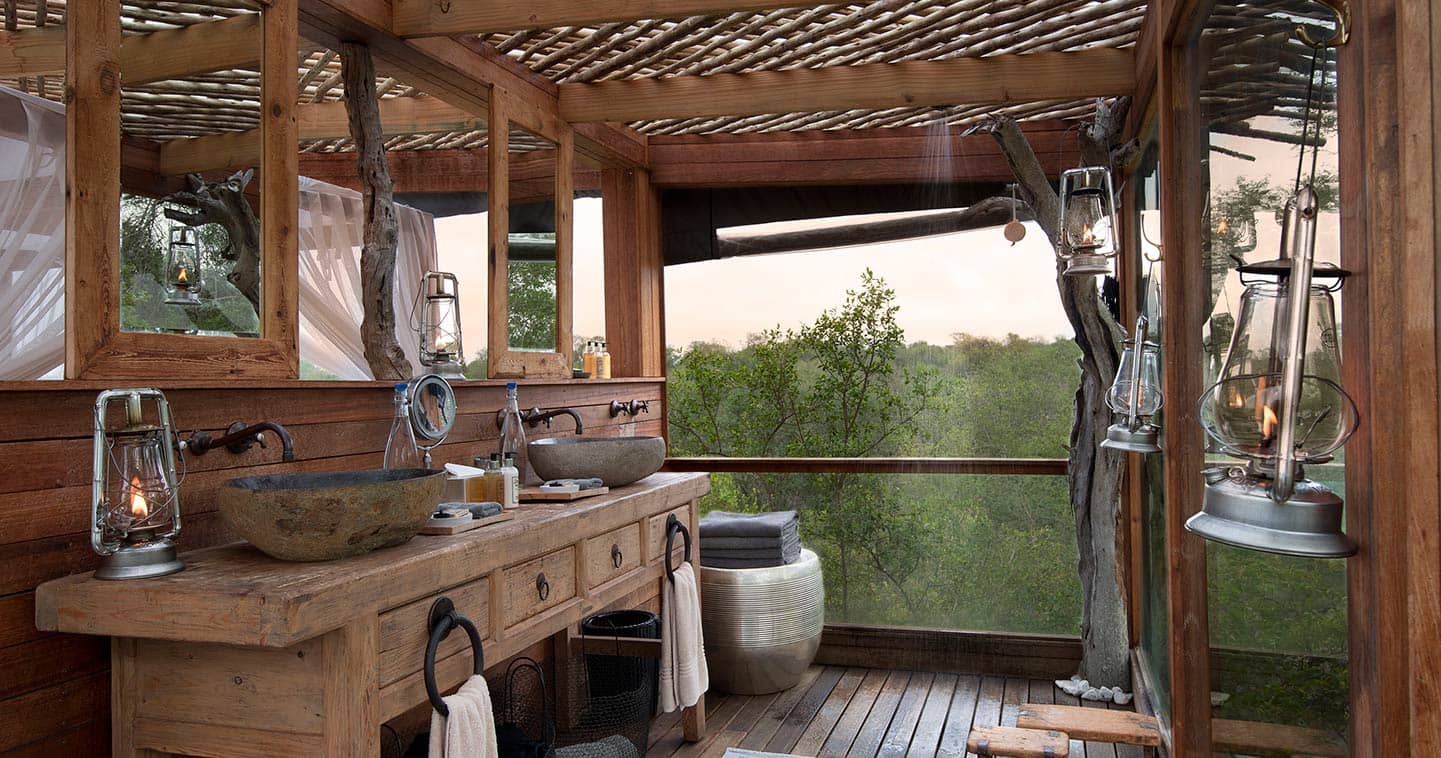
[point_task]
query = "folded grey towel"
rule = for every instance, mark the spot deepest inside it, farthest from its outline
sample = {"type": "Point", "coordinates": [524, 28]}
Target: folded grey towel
{"type": "Point", "coordinates": [726, 524]}
{"type": "Point", "coordinates": [742, 563]}
{"type": "Point", "coordinates": [785, 555]}
{"type": "Point", "coordinates": [751, 543]}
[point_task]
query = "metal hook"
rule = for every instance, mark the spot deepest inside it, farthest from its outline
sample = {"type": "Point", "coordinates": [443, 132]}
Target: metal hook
{"type": "Point", "coordinates": [1343, 27]}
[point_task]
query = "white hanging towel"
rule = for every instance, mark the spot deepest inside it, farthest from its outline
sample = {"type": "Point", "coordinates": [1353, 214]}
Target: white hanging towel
{"type": "Point", "coordinates": [683, 674]}
{"type": "Point", "coordinates": [469, 731]}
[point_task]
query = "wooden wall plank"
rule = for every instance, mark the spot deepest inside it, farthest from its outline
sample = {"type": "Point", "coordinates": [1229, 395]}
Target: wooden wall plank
{"type": "Point", "coordinates": [634, 274]}
{"type": "Point", "coordinates": [991, 79]}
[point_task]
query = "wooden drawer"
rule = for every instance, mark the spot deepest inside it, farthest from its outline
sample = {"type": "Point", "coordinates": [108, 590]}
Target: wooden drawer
{"type": "Point", "coordinates": [404, 631]}
{"type": "Point", "coordinates": [533, 587]}
{"type": "Point", "coordinates": [612, 554]}
{"type": "Point", "coordinates": [655, 533]}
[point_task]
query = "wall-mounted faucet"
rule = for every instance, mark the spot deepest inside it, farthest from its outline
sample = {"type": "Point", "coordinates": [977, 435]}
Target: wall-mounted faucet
{"type": "Point", "coordinates": [631, 408]}
{"type": "Point", "coordinates": [535, 417]}
{"type": "Point", "coordinates": [238, 438]}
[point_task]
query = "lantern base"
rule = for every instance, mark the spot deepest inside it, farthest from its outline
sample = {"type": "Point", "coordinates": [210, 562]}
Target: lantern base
{"type": "Point", "coordinates": [182, 297]}
{"type": "Point", "coordinates": [1238, 510]}
{"type": "Point", "coordinates": [146, 559]}
{"type": "Point", "coordinates": [1086, 264]}
{"type": "Point", "coordinates": [446, 369]}
{"type": "Point", "coordinates": [1145, 439]}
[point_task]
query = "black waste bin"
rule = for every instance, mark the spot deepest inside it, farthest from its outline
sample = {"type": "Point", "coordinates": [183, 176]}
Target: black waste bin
{"type": "Point", "coordinates": [611, 675]}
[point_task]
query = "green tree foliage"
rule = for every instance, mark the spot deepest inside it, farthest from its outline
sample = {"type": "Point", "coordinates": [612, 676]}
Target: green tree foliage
{"type": "Point", "coordinates": [532, 304]}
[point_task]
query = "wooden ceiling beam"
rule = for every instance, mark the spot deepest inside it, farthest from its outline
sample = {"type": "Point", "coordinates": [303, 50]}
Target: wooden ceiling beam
{"type": "Point", "coordinates": [426, 18]}
{"type": "Point", "coordinates": [169, 54]}
{"type": "Point", "coordinates": [843, 157]}
{"type": "Point", "coordinates": [461, 72]}
{"type": "Point", "coordinates": [457, 170]}
{"type": "Point", "coordinates": [991, 79]}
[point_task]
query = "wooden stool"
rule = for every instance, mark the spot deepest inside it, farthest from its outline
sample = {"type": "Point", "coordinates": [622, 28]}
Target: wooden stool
{"type": "Point", "coordinates": [1023, 743]}
{"type": "Point", "coordinates": [1092, 723]}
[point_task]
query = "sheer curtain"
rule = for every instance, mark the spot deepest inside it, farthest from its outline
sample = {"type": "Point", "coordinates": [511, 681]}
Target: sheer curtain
{"type": "Point", "coordinates": [331, 222]}
{"type": "Point", "coordinates": [32, 236]}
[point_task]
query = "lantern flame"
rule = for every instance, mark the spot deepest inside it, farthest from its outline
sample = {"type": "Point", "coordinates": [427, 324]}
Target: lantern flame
{"type": "Point", "coordinates": [1087, 236]}
{"type": "Point", "coordinates": [1223, 226]}
{"type": "Point", "coordinates": [1269, 421]}
{"type": "Point", "coordinates": [182, 277]}
{"type": "Point", "coordinates": [139, 506]}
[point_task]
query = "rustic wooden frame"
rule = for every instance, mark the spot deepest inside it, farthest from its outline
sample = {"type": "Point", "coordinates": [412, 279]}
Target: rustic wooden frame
{"type": "Point", "coordinates": [502, 362]}
{"type": "Point", "coordinates": [95, 346]}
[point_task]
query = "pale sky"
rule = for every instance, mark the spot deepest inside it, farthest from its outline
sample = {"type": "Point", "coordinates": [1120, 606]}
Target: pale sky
{"type": "Point", "coordinates": [973, 282]}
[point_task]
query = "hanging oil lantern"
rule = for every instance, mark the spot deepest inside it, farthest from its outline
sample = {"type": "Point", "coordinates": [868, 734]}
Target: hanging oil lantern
{"type": "Point", "coordinates": [1136, 395]}
{"type": "Point", "coordinates": [1088, 219]}
{"type": "Point", "coordinates": [439, 325]}
{"type": "Point", "coordinates": [135, 500]}
{"type": "Point", "coordinates": [1236, 235]}
{"type": "Point", "coordinates": [1278, 405]}
{"type": "Point", "coordinates": [182, 267]}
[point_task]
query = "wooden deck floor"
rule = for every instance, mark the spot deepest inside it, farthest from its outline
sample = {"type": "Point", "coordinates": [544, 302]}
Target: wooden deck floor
{"type": "Point", "coordinates": [839, 711]}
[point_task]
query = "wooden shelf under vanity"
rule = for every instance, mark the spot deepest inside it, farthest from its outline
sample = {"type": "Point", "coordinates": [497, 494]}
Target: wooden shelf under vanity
{"type": "Point", "coordinates": [242, 654]}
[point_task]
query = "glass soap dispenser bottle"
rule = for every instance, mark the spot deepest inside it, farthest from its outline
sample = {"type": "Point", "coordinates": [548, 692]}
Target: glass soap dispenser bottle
{"type": "Point", "coordinates": [400, 449]}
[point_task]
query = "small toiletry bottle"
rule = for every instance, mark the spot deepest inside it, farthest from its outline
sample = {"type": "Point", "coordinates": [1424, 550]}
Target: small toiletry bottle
{"type": "Point", "coordinates": [588, 359]}
{"type": "Point", "coordinates": [602, 362]}
{"type": "Point", "coordinates": [475, 486]}
{"type": "Point", "coordinates": [511, 475]}
{"type": "Point", "coordinates": [494, 487]}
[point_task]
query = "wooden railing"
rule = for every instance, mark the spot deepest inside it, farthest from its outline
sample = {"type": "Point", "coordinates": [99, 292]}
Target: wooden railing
{"type": "Point", "coordinates": [1000, 466]}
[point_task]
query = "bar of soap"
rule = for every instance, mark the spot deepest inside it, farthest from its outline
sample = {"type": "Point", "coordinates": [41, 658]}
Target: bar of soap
{"type": "Point", "coordinates": [484, 510]}
{"type": "Point", "coordinates": [448, 515]}
{"type": "Point", "coordinates": [560, 487]}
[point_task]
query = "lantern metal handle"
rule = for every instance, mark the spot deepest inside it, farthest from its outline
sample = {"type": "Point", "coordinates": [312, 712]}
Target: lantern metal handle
{"type": "Point", "coordinates": [1303, 248]}
{"type": "Point", "coordinates": [1132, 414]}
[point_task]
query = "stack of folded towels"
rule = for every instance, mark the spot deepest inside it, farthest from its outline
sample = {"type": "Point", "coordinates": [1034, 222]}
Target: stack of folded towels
{"type": "Point", "coordinates": [744, 540]}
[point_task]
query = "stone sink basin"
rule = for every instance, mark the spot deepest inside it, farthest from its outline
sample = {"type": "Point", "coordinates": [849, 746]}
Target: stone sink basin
{"type": "Point", "coordinates": [618, 461]}
{"type": "Point", "coordinates": [329, 515]}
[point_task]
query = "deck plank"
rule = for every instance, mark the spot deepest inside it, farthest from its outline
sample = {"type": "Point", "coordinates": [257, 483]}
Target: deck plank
{"type": "Point", "coordinates": [1127, 751]}
{"type": "Point", "coordinates": [795, 723]}
{"type": "Point", "coordinates": [716, 723]}
{"type": "Point", "coordinates": [774, 716]}
{"type": "Point", "coordinates": [829, 714]}
{"type": "Point", "coordinates": [908, 713]}
{"type": "Point", "coordinates": [958, 720]}
{"type": "Point", "coordinates": [1017, 690]}
{"type": "Point", "coordinates": [1096, 749]}
{"type": "Point", "coordinates": [845, 731]}
{"type": "Point", "coordinates": [674, 737]}
{"type": "Point", "coordinates": [988, 704]}
{"type": "Point", "coordinates": [927, 739]}
{"type": "Point", "coordinates": [873, 731]}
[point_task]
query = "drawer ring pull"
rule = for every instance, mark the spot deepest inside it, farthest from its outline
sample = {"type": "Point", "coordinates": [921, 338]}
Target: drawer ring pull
{"type": "Point", "coordinates": [542, 587]}
{"type": "Point", "coordinates": [443, 618]}
{"type": "Point", "coordinates": [673, 525]}
{"type": "Point", "coordinates": [616, 556]}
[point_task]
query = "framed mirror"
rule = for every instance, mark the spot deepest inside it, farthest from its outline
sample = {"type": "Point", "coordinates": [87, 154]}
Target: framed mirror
{"type": "Point", "coordinates": [530, 218]}
{"type": "Point", "coordinates": [180, 248]}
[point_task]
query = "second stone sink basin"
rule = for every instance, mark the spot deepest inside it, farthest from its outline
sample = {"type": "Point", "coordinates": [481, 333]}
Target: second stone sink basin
{"type": "Point", "coordinates": [324, 516]}
{"type": "Point", "coordinates": [617, 461]}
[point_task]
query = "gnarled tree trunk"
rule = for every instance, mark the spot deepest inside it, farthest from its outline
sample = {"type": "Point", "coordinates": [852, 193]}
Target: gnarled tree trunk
{"type": "Point", "coordinates": [224, 203]}
{"type": "Point", "coordinates": [1094, 472]}
{"type": "Point", "coordinates": [377, 254]}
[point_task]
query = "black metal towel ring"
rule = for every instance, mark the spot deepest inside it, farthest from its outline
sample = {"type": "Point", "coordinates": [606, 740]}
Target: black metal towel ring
{"type": "Point", "coordinates": [673, 525]}
{"type": "Point", "coordinates": [443, 619]}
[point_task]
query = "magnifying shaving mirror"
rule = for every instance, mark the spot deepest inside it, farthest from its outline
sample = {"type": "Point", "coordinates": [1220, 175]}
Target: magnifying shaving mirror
{"type": "Point", "coordinates": [432, 411]}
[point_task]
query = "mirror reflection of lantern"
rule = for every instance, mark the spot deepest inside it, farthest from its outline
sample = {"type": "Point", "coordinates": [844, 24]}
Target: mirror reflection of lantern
{"type": "Point", "coordinates": [136, 514]}
{"type": "Point", "coordinates": [1278, 405]}
{"type": "Point", "coordinates": [1135, 395]}
{"type": "Point", "coordinates": [182, 267]}
{"type": "Point", "coordinates": [1235, 235]}
{"type": "Point", "coordinates": [441, 350]}
{"type": "Point", "coordinates": [1088, 219]}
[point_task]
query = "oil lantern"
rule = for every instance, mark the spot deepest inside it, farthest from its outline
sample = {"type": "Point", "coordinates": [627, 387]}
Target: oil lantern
{"type": "Point", "coordinates": [1237, 235]}
{"type": "Point", "coordinates": [182, 267]}
{"type": "Point", "coordinates": [1278, 406]}
{"type": "Point", "coordinates": [1136, 395]}
{"type": "Point", "coordinates": [135, 499]}
{"type": "Point", "coordinates": [1088, 219]}
{"type": "Point", "coordinates": [439, 303]}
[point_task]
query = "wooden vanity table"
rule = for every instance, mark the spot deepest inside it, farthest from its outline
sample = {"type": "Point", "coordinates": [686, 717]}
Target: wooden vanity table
{"type": "Point", "coordinates": [244, 655]}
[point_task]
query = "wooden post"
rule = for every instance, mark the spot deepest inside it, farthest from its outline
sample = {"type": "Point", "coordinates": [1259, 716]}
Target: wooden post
{"type": "Point", "coordinates": [1186, 286]}
{"type": "Point", "coordinates": [1389, 117]}
{"type": "Point", "coordinates": [351, 687]}
{"type": "Point", "coordinates": [125, 700]}
{"type": "Point", "coordinates": [634, 274]}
